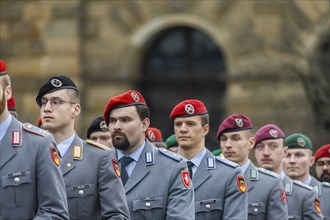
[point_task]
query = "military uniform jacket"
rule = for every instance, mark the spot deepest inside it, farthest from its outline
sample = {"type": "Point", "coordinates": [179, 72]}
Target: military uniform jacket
{"type": "Point", "coordinates": [266, 199]}
{"type": "Point", "coordinates": [156, 189]}
{"type": "Point", "coordinates": [93, 188]}
{"type": "Point", "coordinates": [300, 199]}
{"type": "Point", "coordinates": [217, 192]}
{"type": "Point", "coordinates": [323, 192]}
{"type": "Point", "coordinates": [31, 184]}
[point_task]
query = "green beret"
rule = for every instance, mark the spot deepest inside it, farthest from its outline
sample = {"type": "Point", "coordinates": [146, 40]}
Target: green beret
{"type": "Point", "coordinates": [171, 141]}
{"type": "Point", "coordinates": [298, 140]}
{"type": "Point", "coordinates": [217, 152]}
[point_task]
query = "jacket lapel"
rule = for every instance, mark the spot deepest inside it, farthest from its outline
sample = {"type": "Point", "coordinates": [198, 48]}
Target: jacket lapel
{"type": "Point", "coordinates": [200, 175]}
{"type": "Point", "coordinates": [67, 162]}
{"type": "Point", "coordinates": [247, 176]}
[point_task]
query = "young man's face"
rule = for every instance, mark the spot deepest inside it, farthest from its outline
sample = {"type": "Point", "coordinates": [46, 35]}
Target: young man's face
{"type": "Point", "coordinates": [102, 137]}
{"type": "Point", "coordinates": [322, 169]}
{"type": "Point", "coordinates": [269, 154]}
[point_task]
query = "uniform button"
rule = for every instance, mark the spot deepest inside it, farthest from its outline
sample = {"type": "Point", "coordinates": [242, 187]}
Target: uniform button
{"type": "Point", "coordinates": [16, 180]}
{"type": "Point", "coordinates": [208, 206]}
{"type": "Point", "coordinates": [81, 192]}
{"type": "Point", "coordinates": [68, 164]}
{"type": "Point", "coordinates": [148, 204]}
{"type": "Point", "coordinates": [255, 210]}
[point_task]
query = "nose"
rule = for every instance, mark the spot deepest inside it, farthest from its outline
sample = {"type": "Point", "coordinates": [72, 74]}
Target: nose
{"type": "Point", "coordinates": [266, 151]}
{"type": "Point", "coordinates": [47, 106]}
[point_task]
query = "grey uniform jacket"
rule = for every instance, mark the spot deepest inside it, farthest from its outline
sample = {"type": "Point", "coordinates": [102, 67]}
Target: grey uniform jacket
{"type": "Point", "coordinates": [31, 184]}
{"type": "Point", "coordinates": [94, 190]}
{"type": "Point", "coordinates": [217, 193]}
{"type": "Point", "coordinates": [156, 189]}
{"type": "Point", "coordinates": [323, 192]}
{"type": "Point", "coordinates": [300, 199]}
{"type": "Point", "coordinates": [265, 194]}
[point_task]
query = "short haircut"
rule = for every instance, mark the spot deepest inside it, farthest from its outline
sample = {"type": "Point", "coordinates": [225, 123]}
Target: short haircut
{"type": "Point", "coordinates": [143, 111]}
{"type": "Point", "coordinates": [74, 95]}
{"type": "Point", "coordinates": [205, 119]}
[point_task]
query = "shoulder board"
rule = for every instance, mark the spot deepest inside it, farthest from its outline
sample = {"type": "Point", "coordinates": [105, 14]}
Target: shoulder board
{"type": "Point", "coordinates": [170, 154]}
{"type": "Point", "coordinates": [226, 162]}
{"type": "Point", "coordinates": [35, 130]}
{"type": "Point", "coordinates": [297, 182]}
{"type": "Point", "coordinates": [268, 172]}
{"type": "Point", "coordinates": [326, 184]}
{"type": "Point", "coordinates": [95, 144]}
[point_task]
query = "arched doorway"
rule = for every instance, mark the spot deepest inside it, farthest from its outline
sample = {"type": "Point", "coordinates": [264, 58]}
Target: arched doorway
{"type": "Point", "coordinates": [183, 63]}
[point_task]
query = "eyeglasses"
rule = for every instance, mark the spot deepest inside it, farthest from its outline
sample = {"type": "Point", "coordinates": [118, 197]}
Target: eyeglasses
{"type": "Point", "coordinates": [54, 102]}
{"type": "Point", "coordinates": [322, 163]}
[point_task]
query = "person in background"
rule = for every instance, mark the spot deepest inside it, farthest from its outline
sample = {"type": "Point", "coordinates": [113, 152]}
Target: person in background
{"type": "Point", "coordinates": [322, 163]}
{"type": "Point", "coordinates": [266, 198]}
{"type": "Point", "coordinates": [39, 122]}
{"type": "Point", "coordinates": [297, 164]}
{"type": "Point", "coordinates": [98, 131]}
{"type": "Point", "coordinates": [269, 152]}
{"type": "Point", "coordinates": [31, 185]}
{"type": "Point", "coordinates": [171, 143]}
{"type": "Point", "coordinates": [154, 135]}
{"type": "Point", "coordinates": [11, 103]}
{"type": "Point", "coordinates": [220, 190]}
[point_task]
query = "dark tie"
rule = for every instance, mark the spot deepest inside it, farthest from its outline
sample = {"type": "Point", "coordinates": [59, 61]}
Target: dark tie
{"type": "Point", "coordinates": [124, 161]}
{"type": "Point", "coordinates": [190, 165]}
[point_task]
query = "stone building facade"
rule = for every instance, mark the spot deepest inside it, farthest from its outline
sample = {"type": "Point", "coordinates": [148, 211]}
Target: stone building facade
{"type": "Point", "coordinates": [102, 45]}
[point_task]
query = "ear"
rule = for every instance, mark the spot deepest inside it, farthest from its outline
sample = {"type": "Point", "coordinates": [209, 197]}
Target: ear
{"type": "Point", "coordinates": [286, 150]}
{"type": "Point", "coordinates": [312, 161]}
{"type": "Point", "coordinates": [76, 110]}
{"type": "Point", "coordinates": [8, 92]}
{"type": "Point", "coordinates": [145, 124]}
{"type": "Point", "coordinates": [206, 129]}
{"type": "Point", "coordinates": [251, 143]}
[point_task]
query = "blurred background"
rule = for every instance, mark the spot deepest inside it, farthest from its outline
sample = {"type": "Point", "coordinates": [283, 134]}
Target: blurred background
{"type": "Point", "coordinates": [266, 59]}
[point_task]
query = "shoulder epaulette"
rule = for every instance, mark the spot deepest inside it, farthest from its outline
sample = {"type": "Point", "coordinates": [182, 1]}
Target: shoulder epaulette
{"type": "Point", "coordinates": [226, 162]}
{"type": "Point", "coordinates": [297, 182]}
{"type": "Point", "coordinates": [170, 154]}
{"type": "Point", "coordinates": [326, 184]}
{"type": "Point", "coordinates": [268, 172]}
{"type": "Point", "coordinates": [96, 144]}
{"type": "Point", "coordinates": [34, 130]}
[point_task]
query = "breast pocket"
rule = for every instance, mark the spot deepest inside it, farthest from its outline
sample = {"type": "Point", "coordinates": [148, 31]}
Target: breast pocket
{"type": "Point", "coordinates": [148, 207]}
{"type": "Point", "coordinates": [209, 209]}
{"type": "Point", "coordinates": [80, 199]}
{"type": "Point", "coordinates": [256, 210]}
{"type": "Point", "coordinates": [16, 187]}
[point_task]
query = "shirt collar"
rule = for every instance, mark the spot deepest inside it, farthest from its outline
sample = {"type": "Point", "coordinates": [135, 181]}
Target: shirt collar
{"type": "Point", "coordinates": [196, 160]}
{"type": "Point", "coordinates": [135, 155]}
{"type": "Point", "coordinates": [282, 175]}
{"type": "Point", "coordinates": [4, 125]}
{"type": "Point", "coordinates": [245, 166]}
{"type": "Point", "coordinates": [65, 145]}
{"type": "Point", "coordinates": [308, 180]}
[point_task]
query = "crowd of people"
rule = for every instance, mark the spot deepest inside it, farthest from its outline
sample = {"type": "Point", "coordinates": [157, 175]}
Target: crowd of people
{"type": "Point", "coordinates": [126, 170]}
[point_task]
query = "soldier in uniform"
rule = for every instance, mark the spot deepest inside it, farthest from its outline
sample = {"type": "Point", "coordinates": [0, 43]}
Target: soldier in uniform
{"type": "Point", "coordinates": [269, 151]}
{"type": "Point", "coordinates": [220, 190]}
{"type": "Point", "coordinates": [154, 135]}
{"type": "Point", "coordinates": [31, 185]}
{"type": "Point", "coordinates": [98, 131]}
{"type": "Point", "coordinates": [171, 143]}
{"type": "Point", "coordinates": [297, 164]}
{"type": "Point", "coordinates": [93, 186]}
{"type": "Point", "coordinates": [266, 198]}
{"type": "Point", "coordinates": [156, 181]}
{"type": "Point", "coordinates": [322, 163]}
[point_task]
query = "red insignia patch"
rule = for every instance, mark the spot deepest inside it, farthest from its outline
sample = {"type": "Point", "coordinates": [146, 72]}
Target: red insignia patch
{"type": "Point", "coordinates": [241, 183]}
{"type": "Point", "coordinates": [116, 167]}
{"type": "Point", "coordinates": [55, 155]}
{"type": "Point", "coordinates": [317, 205]}
{"type": "Point", "coordinates": [185, 178]}
{"type": "Point", "coordinates": [283, 196]}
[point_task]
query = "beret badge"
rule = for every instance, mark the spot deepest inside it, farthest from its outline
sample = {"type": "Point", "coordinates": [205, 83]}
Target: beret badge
{"type": "Point", "coordinates": [301, 142]}
{"type": "Point", "coordinates": [151, 135]}
{"type": "Point", "coordinates": [135, 96]}
{"type": "Point", "coordinates": [103, 126]}
{"type": "Point", "coordinates": [56, 83]}
{"type": "Point", "coordinates": [273, 133]}
{"type": "Point", "coordinates": [189, 108]}
{"type": "Point", "coordinates": [239, 122]}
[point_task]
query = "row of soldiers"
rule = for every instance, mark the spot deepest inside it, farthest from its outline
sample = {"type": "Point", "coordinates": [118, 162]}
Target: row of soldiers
{"type": "Point", "coordinates": [54, 174]}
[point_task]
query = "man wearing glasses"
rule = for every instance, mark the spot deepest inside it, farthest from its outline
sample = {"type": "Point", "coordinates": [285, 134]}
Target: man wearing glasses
{"type": "Point", "coordinates": [94, 189]}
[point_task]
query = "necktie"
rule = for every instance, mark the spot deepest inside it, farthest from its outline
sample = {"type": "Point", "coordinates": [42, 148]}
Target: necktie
{"type": "Point", "coordinates": [124, 161]}
{"type": "Point", "coordinates": [190, 165]}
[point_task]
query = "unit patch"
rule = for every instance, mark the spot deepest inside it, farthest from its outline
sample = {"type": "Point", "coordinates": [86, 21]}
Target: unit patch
{"type": "Point", "coordinates": [116, 167]}
{"type": "Point", "coordinates": [283, 196]}
{"type": "Point", "coordinates": [241, 183]}
{"type": "Point", "coordinates": [185, 178]}
{"type": "Point", "coordinates": [317, 205]}
{"type": "Point", "coordinates": [55, 155]}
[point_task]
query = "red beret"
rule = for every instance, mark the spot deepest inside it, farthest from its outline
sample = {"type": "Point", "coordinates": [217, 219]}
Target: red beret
{"type": "Point", "coordinates": [267, 132]}
{"type": "Point", "coordinates": [323, 151]}
{"type": "Point", "coordinates": [189, 107]}
{"type": "Point", "coordinates": [126, 99]}
{"type": "Point", "coordinates": [154, 134]}
{"type": "Point", "coordinates": [11, 103]}
{"type": "Point", "coordinates": [235, 122]}
{"type": "Point", "coordinates": [3, 68]}
{"type": "Point", "coordinates": [39, 122]}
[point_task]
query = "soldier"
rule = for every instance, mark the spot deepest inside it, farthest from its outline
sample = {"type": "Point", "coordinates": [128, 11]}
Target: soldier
{"type": "Point", "coordinates": [220, 190]}
{"type": "Point", "coordinates": [156, 180]}
{"type": "Point", "coordinates": [93, 186]}
{"type": "Point", "coordinates": [322, 163]}
{"type": "Point", "coordinates": [11, 103]}
{"type": "Point", "coordinates": [154, 135]}
{"type": "Point", "coordinates": [31, 185]}
{"type": "Point", "coordinates": [266, 198]}
{"type": "Point", "coordinates": [171, 143]}
{"type": "Point", "coordinates": [297, 163]}
{"type": "Point", "coordinates": [269, 151]}
{"type": "Point", "coordinates": [98, 131]}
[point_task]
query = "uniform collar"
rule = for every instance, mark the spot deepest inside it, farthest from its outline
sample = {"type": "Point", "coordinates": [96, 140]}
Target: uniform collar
{"type": "Point", "coordinates": [135, 155]}
{"type": "Point", "coordinates": [196, 160]}
{"type": "Point", "coordinates": [4, 125]}
{"type": "Point", "coordinates": [308, 180]}
{"type": "Point", "coordinates": [65, 145]}
{"type": "Point", "coordinates": [245, 166]}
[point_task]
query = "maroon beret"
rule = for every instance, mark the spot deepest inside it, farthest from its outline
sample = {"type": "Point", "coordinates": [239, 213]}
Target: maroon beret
{"type": "Point", "coordinates": [11, 103]}
{"type": "Point", "coordinates": [323, 151]}
{"type": "Point", "coordinates": [189, 107]}
{"type": "Point", "coordinates": [3, 68]}
{"type": "Point", "coordinates": [154, 134]}
{"type": "Point", "coordinates": [126, 99]}
{"type": "Point", "coordinates": [269, 131]}
{"type": "Point", "coordinates": [235, 122]}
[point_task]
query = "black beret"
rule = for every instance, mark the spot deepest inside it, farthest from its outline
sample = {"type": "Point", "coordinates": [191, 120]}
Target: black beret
{"type": "Point", "coordinates": [98, 124]}
{"type": "Point", "coordinates": [53, 84]}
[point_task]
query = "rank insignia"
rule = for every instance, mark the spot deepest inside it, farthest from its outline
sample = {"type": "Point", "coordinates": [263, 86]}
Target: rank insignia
{"type": "Point", "coordinates": [77, 152]}
{"type": "Point", "coordinates": [283, 196]}
{"type": "Point", "coordinates": [241, 183]}
{"type": "Point", "coordinates": [55, 155]}
{"type": "Point", "coordinates": [16, 138]}
{"type": "Point", "coordinates": [317, 205]}
{"type": "Point", "coordinates": [185, 178]}
{"type": "Point", "coordinates": [116, 167]}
